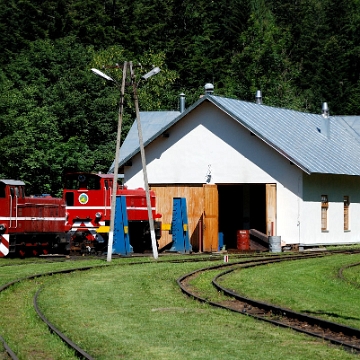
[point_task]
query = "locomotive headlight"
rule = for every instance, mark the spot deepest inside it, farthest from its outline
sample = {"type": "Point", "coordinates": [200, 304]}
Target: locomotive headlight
{"type": "Point", "coordinates": [98, 216]}
{"type": "Point", "coordinates": [2, 227]}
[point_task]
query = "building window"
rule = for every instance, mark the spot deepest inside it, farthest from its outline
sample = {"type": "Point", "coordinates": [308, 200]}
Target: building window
{"type": "Point", "coordinates": [324, 209]}
{"type": "Point", "coordinates": [346, 212]}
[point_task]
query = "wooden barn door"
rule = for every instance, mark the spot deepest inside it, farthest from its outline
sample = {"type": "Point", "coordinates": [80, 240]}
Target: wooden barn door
{"type": "Point", "coordinates": [271, 209]}
{"type": "Point", "coordinates": [211, 219]}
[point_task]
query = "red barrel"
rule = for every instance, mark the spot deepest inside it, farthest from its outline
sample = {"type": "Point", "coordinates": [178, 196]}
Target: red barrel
{"type": "Point", "coordinates": [243, 240]}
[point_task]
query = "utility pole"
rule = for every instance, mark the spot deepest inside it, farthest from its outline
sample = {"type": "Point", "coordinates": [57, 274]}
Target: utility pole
{"type": "Point", "coordinates": [129, 67]}
{"type": "Point", "coordinates": [143, 161]}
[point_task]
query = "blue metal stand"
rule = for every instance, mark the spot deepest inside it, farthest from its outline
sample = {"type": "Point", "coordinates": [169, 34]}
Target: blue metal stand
{"type": "Point", "coordinates": [121, 240]}
{"type": "Point", "coordinates": [179, 227]}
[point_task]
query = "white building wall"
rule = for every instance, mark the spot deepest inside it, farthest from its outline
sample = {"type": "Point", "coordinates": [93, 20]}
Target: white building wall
{"type": "Point", "coordinates": [335, 187]}
{"type": "Point", "coordinates": [207, 141]}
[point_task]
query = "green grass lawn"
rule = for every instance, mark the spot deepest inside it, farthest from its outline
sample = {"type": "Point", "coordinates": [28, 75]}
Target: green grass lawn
{"type": "Point", "coordinates": [138, 312]}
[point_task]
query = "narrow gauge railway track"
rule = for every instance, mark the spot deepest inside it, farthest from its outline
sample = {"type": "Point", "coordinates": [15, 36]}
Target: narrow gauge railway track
{"type": "Point", "coordinates": [216, 257]}
{"type": "Point", "coordinates": [342, 277]}
{"type": "Point", "coordinates": [335, 333]}
{"type": "Point", "coordinates": [81, 354]}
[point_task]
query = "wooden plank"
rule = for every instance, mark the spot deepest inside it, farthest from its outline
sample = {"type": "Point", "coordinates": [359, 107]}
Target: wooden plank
{"type": "Point", "coordinates": [211, 218]}
{"type": "Point", "coordinates": [271, 209]}
{"type": "Point", "coordinates": [194, 200]}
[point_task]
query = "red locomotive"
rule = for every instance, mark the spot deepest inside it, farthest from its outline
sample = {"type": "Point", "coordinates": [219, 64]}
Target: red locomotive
{"type": "Point", "coordinates": [88, 210]}
{"type": "Point", "coordinates": [79, 222]}
{"type": "Point", "coordinates": [31, 225]}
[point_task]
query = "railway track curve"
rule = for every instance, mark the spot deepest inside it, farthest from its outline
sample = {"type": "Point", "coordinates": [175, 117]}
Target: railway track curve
{"type": "Point", "coordinates": [81, 354]}
{"type": "Point", "coordinates": [334, 333]}
{"type": "Point", "coordinates": [341, 274]}
{"type": "Point", "coordinates": [243, 260]}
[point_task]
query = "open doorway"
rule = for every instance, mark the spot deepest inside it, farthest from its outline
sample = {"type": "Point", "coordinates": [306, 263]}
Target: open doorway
{"type": "Point", "coordinates": [241, 207]}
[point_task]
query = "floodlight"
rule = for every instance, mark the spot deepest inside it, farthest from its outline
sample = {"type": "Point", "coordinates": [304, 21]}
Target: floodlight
{"type": "Point", "coordinates": [101, 74]}
{"type": "Point", "coordinates": [154, 71]}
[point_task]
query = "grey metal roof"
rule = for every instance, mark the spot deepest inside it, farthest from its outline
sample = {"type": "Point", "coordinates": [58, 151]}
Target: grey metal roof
{"type": "Point", "coordinates": [301, 137]}
{"type": "Point", "coordinates": [152, 125]}
{"type": "Point", "coordinates": [313, 143]}
{"type": "Point", "coordinates": [12, 182]}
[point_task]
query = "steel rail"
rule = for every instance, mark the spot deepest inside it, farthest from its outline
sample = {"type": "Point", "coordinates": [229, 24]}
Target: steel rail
{"type": "Point", "coordinates": [342, 277]}
{"type": "Point", "coordinates": [7, 348]}
{"type": "Point", "coordinates": [81, 354]}
{"type": "Point", "coordinates": [78, 350]}
{"type": "Point", "coordinates": [335, 333]}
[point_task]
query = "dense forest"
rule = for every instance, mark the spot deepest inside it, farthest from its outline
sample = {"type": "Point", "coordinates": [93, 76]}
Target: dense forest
{"type": "Point", "coordinates": [56, 115]}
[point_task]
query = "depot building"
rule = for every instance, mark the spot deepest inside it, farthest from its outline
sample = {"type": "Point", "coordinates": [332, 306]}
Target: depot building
{"type": "Point", "coordinates": [248, 166]}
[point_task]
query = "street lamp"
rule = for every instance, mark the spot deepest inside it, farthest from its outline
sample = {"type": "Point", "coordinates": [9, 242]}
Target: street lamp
{"type": "Point", "coordinates": [117, 152]}
{"type": "Point", "coordinates": [154, 71]}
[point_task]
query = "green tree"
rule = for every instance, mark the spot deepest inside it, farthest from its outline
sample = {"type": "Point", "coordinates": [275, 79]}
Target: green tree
{"type": "Point", "coordinates": [46, 126]}
{"type": "Point", "coordinates": [263, 62]}
{"type": "Point", "coordinates": [56, 115]}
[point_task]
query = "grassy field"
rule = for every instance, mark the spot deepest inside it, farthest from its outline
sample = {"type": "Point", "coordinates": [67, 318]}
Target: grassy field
{"type": "Point", "coordinates": [138, 312]}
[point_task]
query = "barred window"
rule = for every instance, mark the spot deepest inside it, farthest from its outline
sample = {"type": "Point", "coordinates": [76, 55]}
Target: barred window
{"type": "Point", "coordinates": [324, 209]}
{"type": "Point", "coordinates": [346, 212]}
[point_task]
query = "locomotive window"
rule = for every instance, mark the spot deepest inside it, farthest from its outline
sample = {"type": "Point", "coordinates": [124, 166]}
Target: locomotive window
{"type": "Point", "coordinates": [71, 183]}
{"type": "Point", "coordinates": [12, 192]}
{"type": "Point", "coordinates": [74, 182]}
{"type": "Point", "coordinates": [2, 190]}
{"type": "Point", "coordinates": [17, 192]}
{"type": "Point", "coordinates": [106, 185]}
{"type": "Point", "coordinates": [93, 183]}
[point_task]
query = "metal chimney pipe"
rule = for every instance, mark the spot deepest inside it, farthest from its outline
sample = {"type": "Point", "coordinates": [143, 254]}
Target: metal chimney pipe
{"type": "Point", "coordinates": [325, 110]}
{"type": "Point", "coordinates": [182, 102]}
{"type": "Point", "coordinates": [258, 97]}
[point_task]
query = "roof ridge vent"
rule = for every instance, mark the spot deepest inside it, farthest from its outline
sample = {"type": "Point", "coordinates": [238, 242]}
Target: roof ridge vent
{"type": "Point", "coordinates": [209, 89]}
{"type": "Point", "coordinates": [325, 110]}
{"type": "Point", "coordinates": [258, 97]}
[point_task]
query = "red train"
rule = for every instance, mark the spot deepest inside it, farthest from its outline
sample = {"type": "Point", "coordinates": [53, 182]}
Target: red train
{"type": "Point", "coordinates": [79, 222]}
{"type": "Point", "coordinates": [88, 206]}
{"type": "Point", "coordinates": [31, 225]}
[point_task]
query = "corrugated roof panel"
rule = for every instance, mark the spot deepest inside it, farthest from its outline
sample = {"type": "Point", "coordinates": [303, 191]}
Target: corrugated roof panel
{"type": "Point", "coordinates": [299, 136]}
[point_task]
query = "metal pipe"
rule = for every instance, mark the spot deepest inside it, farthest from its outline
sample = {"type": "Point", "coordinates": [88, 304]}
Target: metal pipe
{"type": "Point", "coordinates": [258, 97]}
{"type": "Point", "coordinates": [182, 102]}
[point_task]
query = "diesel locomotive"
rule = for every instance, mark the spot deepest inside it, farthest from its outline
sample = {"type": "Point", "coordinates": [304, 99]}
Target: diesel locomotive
{"type": "Point", "coordinates": [88, 210]}
{"type": "Point", "coordinates": [77, 223]}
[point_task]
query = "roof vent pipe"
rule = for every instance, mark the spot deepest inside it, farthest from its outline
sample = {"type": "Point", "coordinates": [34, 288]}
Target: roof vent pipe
{"type": "Point", "coordinates": [182, 102]}
{"type": "Point", "coordinates": [209, 89]}
{"type": "Point", "coordinates": [258, 97]}
{"type": "Point", "coordinates": [325, 110]}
